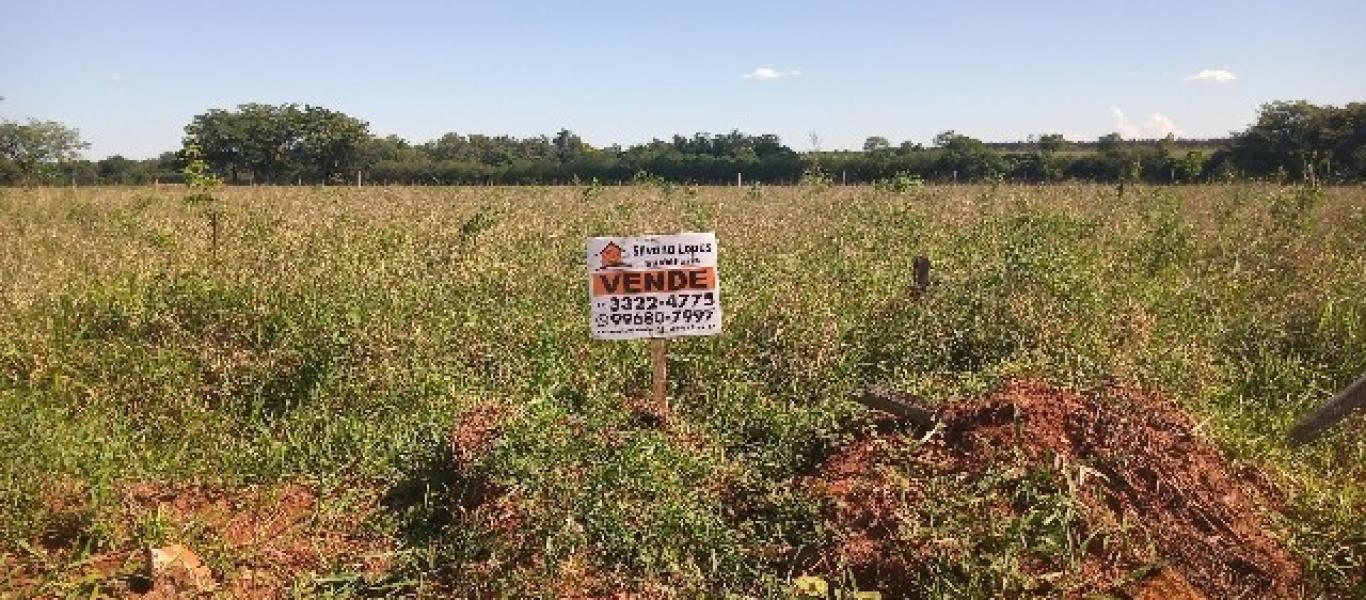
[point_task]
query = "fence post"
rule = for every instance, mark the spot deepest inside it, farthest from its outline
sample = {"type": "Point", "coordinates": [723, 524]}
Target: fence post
{"type": "Point", "coordinates": [922, 274]}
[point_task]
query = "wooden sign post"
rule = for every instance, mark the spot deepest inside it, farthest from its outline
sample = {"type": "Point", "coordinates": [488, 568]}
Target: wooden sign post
{"type": "Point", "coordinates": [659, 350]}
{"type": "Point", "coordinates": [655, 287]}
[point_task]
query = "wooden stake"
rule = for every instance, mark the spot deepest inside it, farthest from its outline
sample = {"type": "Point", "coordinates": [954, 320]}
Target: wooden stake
{"type": "Point", "coordinates": [900, 404]}
{"type": "Point", "coordinates": [213, 235]}
{"type": "Point", "coordinates": [922, 274]}
{"type": "Point", "coordinates": [658, 350]}
{"type": "Point", "coordinates": [1333, 411]}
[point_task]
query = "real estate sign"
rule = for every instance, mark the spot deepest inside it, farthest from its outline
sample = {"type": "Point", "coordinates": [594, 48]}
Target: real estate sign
{"type": "Point", "coordinates": [654, 286]}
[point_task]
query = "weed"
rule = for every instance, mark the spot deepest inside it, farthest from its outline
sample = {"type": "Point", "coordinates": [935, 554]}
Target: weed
{"type": "Point", "coordinates": [343, 333]}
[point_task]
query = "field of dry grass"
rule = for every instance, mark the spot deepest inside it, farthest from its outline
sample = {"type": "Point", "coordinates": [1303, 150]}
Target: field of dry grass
{"type": "Point", "coordinates": [392, 390]}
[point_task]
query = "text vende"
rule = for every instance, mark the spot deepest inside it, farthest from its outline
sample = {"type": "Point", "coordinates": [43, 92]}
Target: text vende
{"type": "Point", "coordinates": [649, 282]}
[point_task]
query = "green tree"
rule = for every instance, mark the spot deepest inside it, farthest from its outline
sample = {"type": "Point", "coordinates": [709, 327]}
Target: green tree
{"type": "Point", "coordinates": [876, 143]}
{"type": "Point", "coordinates": [1286, 137]}
{"type": "Point", "coordinates": [117, 169]}
{"type": "Point", "coordinates": [567, 146]}
{"type": "Point", "coordinates": [1051, 143]}
{"type": "Point", "coordinates": [1048, 166]}
{"type": "Point", "coordinates": [968, 157]}
{"type": "Point", "coordinates": [1302, 140]}
{"type": "Point", "coordinates": [1193, 166]}
{"type": "Point", "coordinates": [38, 149]}
{"type": "Point", "coordinates": [271, 144]}
{"type": "Point", "coordinates": [223, 141]}
{"type": "Point", "coordinates": [1118, 159]}
{"type": "Point", "coordinates": [327, 144]}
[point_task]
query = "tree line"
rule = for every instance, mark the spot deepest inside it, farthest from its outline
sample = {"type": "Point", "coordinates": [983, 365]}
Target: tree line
{"type": "Point", "coordinates": [292, 144]}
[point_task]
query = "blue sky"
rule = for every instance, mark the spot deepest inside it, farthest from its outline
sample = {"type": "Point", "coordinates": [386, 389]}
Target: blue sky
{"type": "Point", "coordinates": [131, 74]}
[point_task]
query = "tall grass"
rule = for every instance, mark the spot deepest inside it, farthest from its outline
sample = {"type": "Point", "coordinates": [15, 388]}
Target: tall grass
{"type": "Point", "coordinates": [341, 333]}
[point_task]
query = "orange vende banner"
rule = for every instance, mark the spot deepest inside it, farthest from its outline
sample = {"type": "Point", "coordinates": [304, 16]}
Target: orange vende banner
{"type": "Point", "coordinates": [607, 283]}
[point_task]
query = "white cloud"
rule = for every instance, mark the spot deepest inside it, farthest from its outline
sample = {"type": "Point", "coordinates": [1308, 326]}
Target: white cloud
{"type": "Point", "coordinates": [1158, 125]}
{"type": "Point", "coordinates": [769, 73]}
{"type": "Point", "coordinates": [1214, 75]}
{"type": "Point", "coordinates": [1161, 125]}
{"type": "Point", "coordinates": [1123, 126]}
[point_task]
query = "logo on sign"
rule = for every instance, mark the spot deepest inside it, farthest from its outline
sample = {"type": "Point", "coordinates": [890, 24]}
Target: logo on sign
{"type": "Point", "coordinates": [611, 256]}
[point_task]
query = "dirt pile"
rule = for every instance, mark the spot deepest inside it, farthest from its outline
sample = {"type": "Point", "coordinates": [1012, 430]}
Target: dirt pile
{"type": "Point", "coordinates": [272, 534]}
{"type": "Point", "coordinates": [1151, 493]}
{"type": "Point", "coordinates": [255, 541]}
{"type": "Point", "coordinates": [478, 504]}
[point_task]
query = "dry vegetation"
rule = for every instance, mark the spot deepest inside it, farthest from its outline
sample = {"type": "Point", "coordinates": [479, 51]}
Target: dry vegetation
{"type": "Point", "coordinates": [392, 391]}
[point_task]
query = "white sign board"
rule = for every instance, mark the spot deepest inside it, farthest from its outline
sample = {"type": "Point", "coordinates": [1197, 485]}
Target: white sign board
{"type": "Point", "coordinates": [654, 286]}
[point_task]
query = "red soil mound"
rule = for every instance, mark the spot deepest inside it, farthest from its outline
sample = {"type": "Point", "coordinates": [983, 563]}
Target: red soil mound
{"type": "Point", "coordinates": [1150, 488]}
{"type": "Point", "coordinates": [260, 539]}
